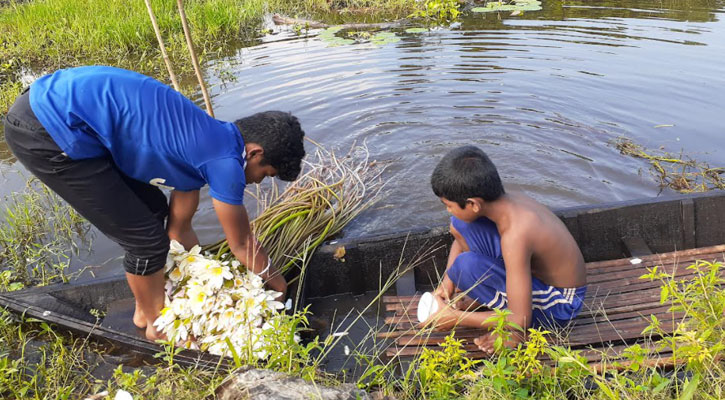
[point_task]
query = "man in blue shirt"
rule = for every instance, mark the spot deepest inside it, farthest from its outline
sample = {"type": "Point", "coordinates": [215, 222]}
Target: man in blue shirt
{"type": "Point", "coordinates": [106, 139]}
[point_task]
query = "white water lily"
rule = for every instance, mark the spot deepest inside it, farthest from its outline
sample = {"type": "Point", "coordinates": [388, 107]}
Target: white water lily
{"type": "Point", "coordinates": [217, 303]}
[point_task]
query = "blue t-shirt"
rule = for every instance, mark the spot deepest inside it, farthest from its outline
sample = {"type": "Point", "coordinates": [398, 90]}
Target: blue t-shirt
{"type": "Point", "coordinates": [152, 132]}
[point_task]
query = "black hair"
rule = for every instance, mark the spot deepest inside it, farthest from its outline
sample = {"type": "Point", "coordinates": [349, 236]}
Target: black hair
{"type": "Point", "coordinates": [280, 135]}
{"type": "Point", "coordinates": [466, 172]}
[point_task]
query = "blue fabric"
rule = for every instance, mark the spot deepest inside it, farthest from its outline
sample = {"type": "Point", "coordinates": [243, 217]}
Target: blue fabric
{"type": "Point", "coordinates": [481, 274]}
{"type": "Point", "coordinates": [152, 132]}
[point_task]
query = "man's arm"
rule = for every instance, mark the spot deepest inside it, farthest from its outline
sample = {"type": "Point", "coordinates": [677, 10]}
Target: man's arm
{"type": "Point", "coordinates": [244, 246]}
{"type": "Point", "coordinates": [182, 207]}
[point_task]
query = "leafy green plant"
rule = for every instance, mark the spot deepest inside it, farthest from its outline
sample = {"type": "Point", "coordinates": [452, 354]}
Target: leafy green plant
{"type": "Point", "coordinates": [444, 374]}
{"type": "Point", "coordinates": [438, 11]}
{"type": "Point", "coordinates": [697, 339]}
{"type": "Point", "coordinates": [509, 5]}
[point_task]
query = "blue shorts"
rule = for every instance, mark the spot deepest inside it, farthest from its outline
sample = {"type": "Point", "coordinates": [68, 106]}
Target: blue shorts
{"type": "Point", "coordinates": [481, 274]}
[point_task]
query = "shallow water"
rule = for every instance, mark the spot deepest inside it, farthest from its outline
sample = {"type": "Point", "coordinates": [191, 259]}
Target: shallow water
{"type": "Point", "coordinates": [544, 94]}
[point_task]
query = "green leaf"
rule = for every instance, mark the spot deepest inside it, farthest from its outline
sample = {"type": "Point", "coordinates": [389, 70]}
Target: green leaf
{"type": "Point", "coordinates": [664, 294]}
{"type": "Point", "coordinates": [690, 388]}
{"type": "Point", "coordinates": [416, 30]}
{"type": "Point", "coordinates": [515, 5]}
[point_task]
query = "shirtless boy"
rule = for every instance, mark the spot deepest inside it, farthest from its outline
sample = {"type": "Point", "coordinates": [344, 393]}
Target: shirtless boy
{"type": "Point", "coordinates": [508, 252]}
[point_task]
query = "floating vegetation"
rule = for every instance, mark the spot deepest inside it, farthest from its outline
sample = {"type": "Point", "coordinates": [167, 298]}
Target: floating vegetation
{"type": "Point", "coordinates": [384, 38]}
{"type": "Point", "coordinates": [512, 5]}
{"type": "Point", "coordinates": [330, 193]}
{"type": "Point", "coordinates": [682, 175]}
{"type": "Point", "coordinates": [416, 30]}
{"type": "Point", "coordinates": [331, 37]}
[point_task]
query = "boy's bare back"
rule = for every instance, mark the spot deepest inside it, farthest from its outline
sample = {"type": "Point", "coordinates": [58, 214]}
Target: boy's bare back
{"type": "Point", "coordinates": [526, 225]}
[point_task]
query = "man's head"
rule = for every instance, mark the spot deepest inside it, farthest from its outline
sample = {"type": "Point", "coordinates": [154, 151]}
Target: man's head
{"type": "Point", "coordinates": [273, 142]}
{"type": "Point", "coordinates": [464, 177]}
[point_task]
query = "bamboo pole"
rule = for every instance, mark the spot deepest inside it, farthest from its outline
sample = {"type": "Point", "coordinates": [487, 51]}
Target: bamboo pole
{"type": "Point", "coordinates": [167, 61]}
{"type": "Point", "coordinates": [194, 60]}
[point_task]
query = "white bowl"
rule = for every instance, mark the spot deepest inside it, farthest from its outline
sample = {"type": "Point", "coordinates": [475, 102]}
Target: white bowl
{"type": "Point", "coordinates": [427, 306]}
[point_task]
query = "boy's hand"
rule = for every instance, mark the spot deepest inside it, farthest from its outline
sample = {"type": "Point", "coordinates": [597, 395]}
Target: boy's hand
{"type": "Point", "coordinates": [445, 289]}
{"type": "Point", "coordinates": [444, 319]}
{"type": "Point", "coordinates": [279, 284]}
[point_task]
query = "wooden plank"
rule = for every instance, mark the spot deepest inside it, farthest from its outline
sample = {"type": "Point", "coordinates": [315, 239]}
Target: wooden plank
{"type": "Point", "coordinates": [617, 308]}
{"type": "Point", "coordinates": [656, 257]}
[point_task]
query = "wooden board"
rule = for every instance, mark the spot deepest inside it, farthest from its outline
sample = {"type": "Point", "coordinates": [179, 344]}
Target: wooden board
{"type": "Point", "coordinates": [617, 308]}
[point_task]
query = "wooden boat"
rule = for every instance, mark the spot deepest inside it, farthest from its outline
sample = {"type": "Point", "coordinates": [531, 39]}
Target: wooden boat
{"type": "Point", "coordinates": [607, 234]}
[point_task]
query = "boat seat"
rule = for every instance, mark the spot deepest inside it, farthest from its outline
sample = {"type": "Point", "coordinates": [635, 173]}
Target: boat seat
{"type": "Point", "coordinates": [616, 310]}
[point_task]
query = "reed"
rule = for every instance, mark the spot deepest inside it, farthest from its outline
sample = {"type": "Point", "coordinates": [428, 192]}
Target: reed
{"type": "Point", "coordinates": [331, 191]}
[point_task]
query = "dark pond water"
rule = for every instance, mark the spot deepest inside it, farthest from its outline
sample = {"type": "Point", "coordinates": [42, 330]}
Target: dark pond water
{"type": "Point", "coordinates": [545, 94]}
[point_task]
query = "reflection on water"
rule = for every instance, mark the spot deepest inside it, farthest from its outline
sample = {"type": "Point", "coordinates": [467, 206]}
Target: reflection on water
{"type": "Point", "coordinates": [543, 93]}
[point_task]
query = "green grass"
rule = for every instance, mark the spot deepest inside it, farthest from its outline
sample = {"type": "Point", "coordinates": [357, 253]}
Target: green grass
{"type": "Point", "coordinates": [45, 35]}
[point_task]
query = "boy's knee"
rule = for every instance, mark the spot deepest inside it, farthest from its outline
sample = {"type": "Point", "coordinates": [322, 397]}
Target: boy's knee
{"type": "Point", "coordinates": [148, 259]}
{"type": "Point", "coordinates": [464, 268]}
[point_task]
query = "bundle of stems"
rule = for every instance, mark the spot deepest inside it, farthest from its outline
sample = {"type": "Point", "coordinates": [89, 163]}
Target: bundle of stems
{"type": "Point", "coordinates": [330, 192]}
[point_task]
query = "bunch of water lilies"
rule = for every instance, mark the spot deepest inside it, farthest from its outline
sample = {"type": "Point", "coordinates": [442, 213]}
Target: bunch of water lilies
{"type": "Point", "coordinates": [214, 304]}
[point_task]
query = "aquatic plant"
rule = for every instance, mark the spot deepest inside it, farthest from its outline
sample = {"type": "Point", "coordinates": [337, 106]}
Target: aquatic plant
{"type": "Point", "coordinates": [438, 11]}
{"type": "Point", "coordinates": [330, 36]}
{"type": "Point", "coordinates": [677, 172]}
{"type": "Point", "coordinates": [330, 192]}
{"type": "Point", "coordinates": [39, 233]}
{"type": "Point", "coordinates": [515, 6]}
{"type": "Point", "coordinates": [216, 306]}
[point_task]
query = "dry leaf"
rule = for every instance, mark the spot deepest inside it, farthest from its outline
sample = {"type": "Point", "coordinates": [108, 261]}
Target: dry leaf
{"type": "Point", "coordinates": [340, 254]}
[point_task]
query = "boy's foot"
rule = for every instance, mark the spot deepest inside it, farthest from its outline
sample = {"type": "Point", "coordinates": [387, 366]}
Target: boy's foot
{"type": "Point", "coordinates": [486, 342]}
{"type": "Point", "coordinates": [153, 335]}
{"type": "Point", "coordinates": [139, 319]}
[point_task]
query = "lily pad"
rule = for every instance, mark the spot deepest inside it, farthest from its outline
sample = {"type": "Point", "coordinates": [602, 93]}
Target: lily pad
{"type": "Point", "coordinates": [384, 38]}
{"type": "Point", "coordinates": [416, 30]}
{"type": "Point", "coordinates": [515, 5]}
{"type": "Point", "coordinates": [328, 36]}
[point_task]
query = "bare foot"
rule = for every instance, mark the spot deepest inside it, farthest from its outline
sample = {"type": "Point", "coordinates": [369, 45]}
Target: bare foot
{"type": "Point", "coordinates": [486, 342]}
{"type": "Point", "coordinates": [153, 334]}
{"type": "Point", "coordinates": [139, 319]}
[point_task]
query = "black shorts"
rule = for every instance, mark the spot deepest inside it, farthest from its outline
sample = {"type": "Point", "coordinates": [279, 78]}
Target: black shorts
{"type": "Point", "coordinates": [129, 212]}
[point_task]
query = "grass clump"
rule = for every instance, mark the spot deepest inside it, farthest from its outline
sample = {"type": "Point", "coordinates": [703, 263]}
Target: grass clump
{"type": "Point", "coordinates": [679, 173]}
{"type": "Point", "coordinates": [41, 36]}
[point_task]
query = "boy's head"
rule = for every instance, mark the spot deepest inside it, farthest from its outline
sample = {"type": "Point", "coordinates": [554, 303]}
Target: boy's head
{"type": "Point", "coordinates": [465, 174]}
{"type": "Point", "coordinates": [273, 142]}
